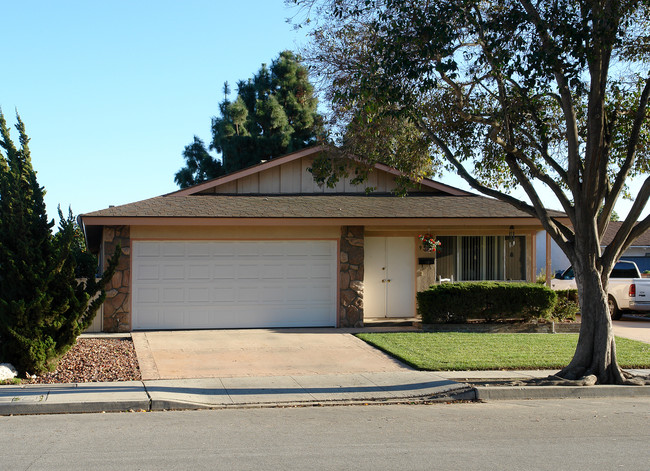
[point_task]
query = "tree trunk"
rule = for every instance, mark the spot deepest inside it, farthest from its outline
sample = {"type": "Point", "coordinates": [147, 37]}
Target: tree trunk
{"type": "Point", "coordinates": [596, 350]}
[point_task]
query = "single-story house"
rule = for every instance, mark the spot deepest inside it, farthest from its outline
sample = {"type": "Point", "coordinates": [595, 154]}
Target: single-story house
{"type": "Point", "coordinates": [268, 247]}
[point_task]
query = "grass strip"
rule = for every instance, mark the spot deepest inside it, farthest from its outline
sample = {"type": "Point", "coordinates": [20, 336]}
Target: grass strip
{"type": "Point", "coordinates": [446, 351]}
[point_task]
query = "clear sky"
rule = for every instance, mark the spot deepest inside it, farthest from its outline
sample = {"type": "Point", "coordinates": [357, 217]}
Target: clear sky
{"type": "Point", "coordinates": [111, 92]}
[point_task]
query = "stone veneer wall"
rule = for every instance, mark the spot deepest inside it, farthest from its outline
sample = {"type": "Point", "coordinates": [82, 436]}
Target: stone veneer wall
{"type": "Point", "coordinates": [117, 307]}
{"type": "Point", "coordinates": [351, 276]}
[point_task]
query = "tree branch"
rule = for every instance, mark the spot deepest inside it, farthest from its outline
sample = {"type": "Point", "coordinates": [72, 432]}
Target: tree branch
{"type": "Point", "coordinates": [537, 173]}
{"type": "Point", "coordinates": [566, 101]}
{"type": "Point", "coordinates": [626, 167]}
{"type": "Point", "coordinates": [628, 232]}
{"type": "Point", "coordinates": [561, 234]}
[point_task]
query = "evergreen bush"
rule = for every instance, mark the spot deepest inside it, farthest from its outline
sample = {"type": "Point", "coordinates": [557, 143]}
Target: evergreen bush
{"type": "Point", "coordinates": [43, 308]}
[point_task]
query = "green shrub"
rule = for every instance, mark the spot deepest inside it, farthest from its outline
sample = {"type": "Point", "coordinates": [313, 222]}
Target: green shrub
{"type": "Point", "coordinates": [567, 306]}
{"type": "Point", "coordinates": [486, 300]}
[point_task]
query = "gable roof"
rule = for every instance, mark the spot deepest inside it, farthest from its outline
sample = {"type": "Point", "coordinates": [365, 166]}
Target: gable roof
{"type": "Point", "coordinates": [314, 206]}
{"type": "Point", "coordinates": [612, 229]}
{"type": "Point", "coordinates": [211, 185]}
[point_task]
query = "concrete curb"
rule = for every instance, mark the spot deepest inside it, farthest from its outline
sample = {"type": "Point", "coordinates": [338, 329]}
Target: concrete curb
{"type": "Point", "coordinates": [465, 394]}
{"type": "Point", "coordinates": [73, 408]}
{"type": "Point", "coordinates": [301, 391]}
{"type": "Point", "coordinates": [497, 393]}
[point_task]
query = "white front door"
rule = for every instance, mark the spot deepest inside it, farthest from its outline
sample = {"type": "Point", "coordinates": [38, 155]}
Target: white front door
{"type": "Point", "coordinates": [389, 277]}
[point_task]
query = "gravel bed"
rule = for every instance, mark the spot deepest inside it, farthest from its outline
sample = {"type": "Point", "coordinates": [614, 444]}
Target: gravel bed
{"type": "Point", "coordinates": [94, 360]}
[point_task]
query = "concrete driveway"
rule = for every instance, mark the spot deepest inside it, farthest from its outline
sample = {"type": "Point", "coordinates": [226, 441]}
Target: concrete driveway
{"type": "Point", "coordinates": [256, 352]}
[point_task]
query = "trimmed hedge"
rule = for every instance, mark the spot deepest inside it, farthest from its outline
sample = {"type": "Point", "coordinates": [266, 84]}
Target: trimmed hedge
{"type": "Point", "coordinates": [456, 303]}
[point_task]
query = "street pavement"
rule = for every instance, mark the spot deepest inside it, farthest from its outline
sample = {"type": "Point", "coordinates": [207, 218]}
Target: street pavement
{"type": "Point", "coordinates": [554, 435]}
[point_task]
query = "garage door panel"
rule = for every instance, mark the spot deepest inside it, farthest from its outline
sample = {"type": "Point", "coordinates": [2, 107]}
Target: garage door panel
{"type": "Point", "coordinates": [223, 271]}
{"type": "Point", "coordinates": [297, 272]}
{"type": "Point", "coordinates": [173, 272]}
{"type": "Point", "coordinates": [223, 294]}
{"type": "Point", "coordinates": [148, 272]}
{"type": "Point", "coordinates": [270, 272]}
{"type": "Point", "coordinates": [147, 295]}
{"type": "Point", "coordinates": [223, 249]}
{"type": "Point", "coordinates": [320, 271]}
{"type": "Point", "coordinates": [272, 294]}
{"type": "Point", "coordinates": [150, 249]}
{"type": "Point", "coordinates": [197, 250]}
{"type": "Point", "coordinates": [172, 295]}
{"type": "Point", "coordinates": [198, 295]}
{"type": "Point", "coordinates": [200, 272]}
{"type": "Point", "coordinates": [232, 284]}
{"type": "Point", "coordinates": [173, 249]}
{"type": "Point", "coordinates": [248, 271]}
{"type": "Point", "coordinates": [248, 295]}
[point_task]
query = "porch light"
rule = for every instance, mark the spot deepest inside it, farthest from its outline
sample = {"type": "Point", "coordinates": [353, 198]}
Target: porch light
{"type": "Point", "coordinates": [511, 236]}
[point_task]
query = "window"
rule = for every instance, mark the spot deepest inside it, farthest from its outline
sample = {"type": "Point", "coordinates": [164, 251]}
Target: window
{"type": "Point", "coordinates": [475, 258]}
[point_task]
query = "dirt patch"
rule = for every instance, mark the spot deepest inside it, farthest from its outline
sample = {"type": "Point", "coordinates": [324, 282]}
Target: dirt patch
{"type": "Point", "coordinates": [94, 360]}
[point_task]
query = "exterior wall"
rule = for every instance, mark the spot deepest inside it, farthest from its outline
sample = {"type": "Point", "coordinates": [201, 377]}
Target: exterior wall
{"type": "Point", "coordinates": [294, 177]}
{"type": "Point", "coordinates": [351, 276]}
{"type": "Point", "coordinates": [117, 307]}
{"type": "Point", "coordinates": [425, 274]}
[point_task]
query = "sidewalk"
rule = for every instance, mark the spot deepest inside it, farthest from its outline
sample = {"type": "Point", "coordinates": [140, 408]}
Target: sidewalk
{"type": "Point", "coordinates": [216, 393]}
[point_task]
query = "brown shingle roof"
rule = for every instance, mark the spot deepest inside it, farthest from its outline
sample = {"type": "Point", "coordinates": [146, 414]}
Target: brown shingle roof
{"type": "Point", "coordinates": [612, 229]}
{"type": "Point", "coordinates": [315, 206]}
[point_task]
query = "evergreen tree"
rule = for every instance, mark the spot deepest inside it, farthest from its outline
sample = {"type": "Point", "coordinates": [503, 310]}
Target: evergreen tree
{"type": "Point", "coordinates": [273, 114]}
{"type": "Point", "coordinates": [43, 308]}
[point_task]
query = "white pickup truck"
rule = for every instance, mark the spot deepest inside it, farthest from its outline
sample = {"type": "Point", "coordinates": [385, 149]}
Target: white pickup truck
{"type": "Point", "coordinates": [627, 290]}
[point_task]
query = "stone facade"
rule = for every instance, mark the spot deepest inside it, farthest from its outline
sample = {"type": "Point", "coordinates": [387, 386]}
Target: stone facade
{"type": "Point", "coordinates": [117, 307]}
{"type": "Point", "coordinates": [351, 276]}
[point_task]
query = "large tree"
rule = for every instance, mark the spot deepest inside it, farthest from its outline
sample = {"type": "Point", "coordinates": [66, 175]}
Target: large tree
{"type": "Point", "coordinates": [274, 113]}
{"type": "Point", "coordinates": [509, 94]}
{"type": "Point", "coordinates": [48, 292]}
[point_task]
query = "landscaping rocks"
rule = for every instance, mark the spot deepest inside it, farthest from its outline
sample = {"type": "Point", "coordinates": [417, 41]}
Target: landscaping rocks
{"type": "Point", "coordinates": [94, 360]}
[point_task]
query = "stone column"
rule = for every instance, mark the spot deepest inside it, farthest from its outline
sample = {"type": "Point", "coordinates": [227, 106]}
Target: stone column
{"type": "Point", "coordinates": [351, 276]}
{"type": "Point", "coordinates": [117, 307]}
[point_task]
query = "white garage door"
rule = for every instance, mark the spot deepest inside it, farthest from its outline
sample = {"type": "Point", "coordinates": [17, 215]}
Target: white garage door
{"type": "Point", "coordinates": [234, 284]}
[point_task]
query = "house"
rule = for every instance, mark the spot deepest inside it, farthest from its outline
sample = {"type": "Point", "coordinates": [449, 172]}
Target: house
{"type": "Point", "coordinates": [268, 247]}
{"type": "Point", "coordinates": [638, 253]}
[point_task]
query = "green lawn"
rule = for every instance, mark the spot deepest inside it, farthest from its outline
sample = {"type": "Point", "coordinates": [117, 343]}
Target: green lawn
{"type": "Point", "coordinates": [463, 351]}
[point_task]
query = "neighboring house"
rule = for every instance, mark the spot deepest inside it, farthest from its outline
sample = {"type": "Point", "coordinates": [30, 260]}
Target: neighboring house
{"type": "Point", "coordinates": [268, 247]}
{"type": "Point", "coordinates": [638, 253]}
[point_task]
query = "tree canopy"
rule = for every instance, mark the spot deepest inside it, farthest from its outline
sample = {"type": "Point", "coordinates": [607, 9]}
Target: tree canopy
{"type": "Point", "coordinates": [508, 94]}
{"type": "Point", "coordinates": [48, 290]}
{"type": "Point", "coordinates": [274, 113]}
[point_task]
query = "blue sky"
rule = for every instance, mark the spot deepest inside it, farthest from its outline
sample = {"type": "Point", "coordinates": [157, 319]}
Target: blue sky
{"type": "Point", "coordinates": [111, 92]}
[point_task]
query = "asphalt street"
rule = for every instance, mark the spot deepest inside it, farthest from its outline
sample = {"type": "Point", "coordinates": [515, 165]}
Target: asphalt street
{"type": "Point", "coordinates": [548, 434]}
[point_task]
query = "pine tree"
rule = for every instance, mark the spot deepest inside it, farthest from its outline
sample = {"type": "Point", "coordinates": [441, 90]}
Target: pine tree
{"type": "Point", "coordinates": [273, 114]}
{"type": "Point", "coordinates": [42, 307]}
